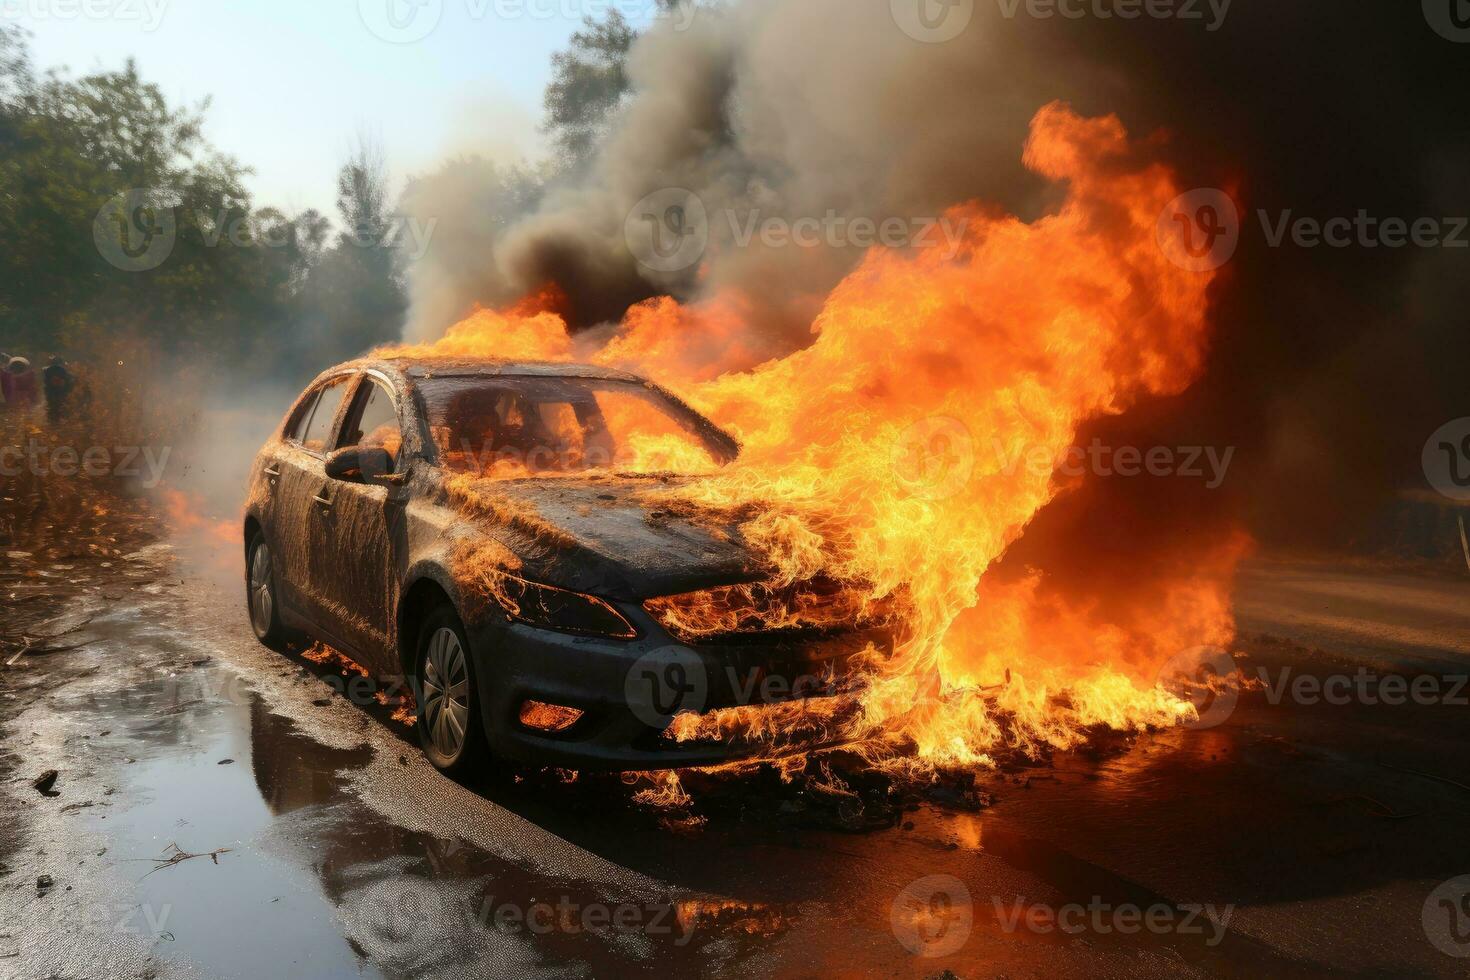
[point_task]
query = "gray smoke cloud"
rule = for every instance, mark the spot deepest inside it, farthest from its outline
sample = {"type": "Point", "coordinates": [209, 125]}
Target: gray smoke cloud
{"type": "Point", "coordinates": [764, 110]}
{"type": "Point", "coordinates": [1331, 365]}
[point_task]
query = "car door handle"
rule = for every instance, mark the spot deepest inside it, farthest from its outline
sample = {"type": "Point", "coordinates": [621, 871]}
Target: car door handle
{"type": "Point", "coordinates": [322, 502]}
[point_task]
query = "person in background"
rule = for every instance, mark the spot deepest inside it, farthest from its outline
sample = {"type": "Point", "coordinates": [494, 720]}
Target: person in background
{"type": "Point", "coordinates": [19, 385]}
{"type": "Point", "coordinates": [58, 382]}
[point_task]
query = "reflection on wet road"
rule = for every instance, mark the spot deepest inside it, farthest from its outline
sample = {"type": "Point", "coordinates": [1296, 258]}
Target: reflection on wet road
{"type": "Point", "coordinates": [1293, 840]}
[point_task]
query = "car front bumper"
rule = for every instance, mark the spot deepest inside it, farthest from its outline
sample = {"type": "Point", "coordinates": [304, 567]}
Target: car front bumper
{"type": "Point", "coordinates": [630, 690]}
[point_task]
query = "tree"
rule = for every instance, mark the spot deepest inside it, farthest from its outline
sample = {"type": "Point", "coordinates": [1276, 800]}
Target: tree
{"type": "Point", "coordinates": [588, 83]}
{"type": "Point", "coordinates": [15, 70]}
{"type": "Point", "coordinates": [91, 166]}
{"type": "Point", "coordinates": [354, 296]}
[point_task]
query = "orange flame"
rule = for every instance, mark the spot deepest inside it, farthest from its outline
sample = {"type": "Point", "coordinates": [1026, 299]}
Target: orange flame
{"type": "Point", "coordinates": [185, 514]}
{"type": "Point", "coordinates": [883, 456]}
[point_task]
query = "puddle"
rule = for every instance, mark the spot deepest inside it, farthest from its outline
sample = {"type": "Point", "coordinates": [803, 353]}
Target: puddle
{"type": "Point", "coordinates": [310, 878]}
{"type": "Point", "coordinates": [251, 912]}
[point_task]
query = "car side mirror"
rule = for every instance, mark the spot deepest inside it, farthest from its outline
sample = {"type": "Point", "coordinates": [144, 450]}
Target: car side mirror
{"type": "Point", "coordinates": [358, 463]}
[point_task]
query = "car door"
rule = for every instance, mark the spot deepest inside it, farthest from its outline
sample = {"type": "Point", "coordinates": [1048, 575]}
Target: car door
{"type": "Point", "coordinates": [300, 479]}
{"type": "Point", "coordinates": [359, 534]}
{"type": "Point", "coordinates": [268, 492]}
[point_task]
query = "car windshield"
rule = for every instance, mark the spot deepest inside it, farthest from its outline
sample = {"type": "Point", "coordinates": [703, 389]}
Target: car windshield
{"type": "Point", "coordinates": [514, 427]}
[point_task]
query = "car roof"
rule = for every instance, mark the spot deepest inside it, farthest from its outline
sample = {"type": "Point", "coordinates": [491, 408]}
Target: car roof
{"type": "Point", "coordinates": [407, 369]}
{"type": "Point", "coordinates": [421, 368]}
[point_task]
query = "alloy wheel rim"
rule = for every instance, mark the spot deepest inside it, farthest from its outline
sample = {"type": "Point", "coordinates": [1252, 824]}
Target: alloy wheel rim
{"type": "Point", "coordinates": [262, 603]}
{"type": "Point", "coordinates": [446, 693]}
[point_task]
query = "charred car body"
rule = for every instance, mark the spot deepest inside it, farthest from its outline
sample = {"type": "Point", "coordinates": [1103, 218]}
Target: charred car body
{"type": "Point", "coordinates": [480, 529]}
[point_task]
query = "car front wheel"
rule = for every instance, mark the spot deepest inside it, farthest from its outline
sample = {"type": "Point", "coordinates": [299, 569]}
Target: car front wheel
{"type": "Point", "coordinates": [449, 723]}
{"type": "Point", "coordinates": [261, 595]}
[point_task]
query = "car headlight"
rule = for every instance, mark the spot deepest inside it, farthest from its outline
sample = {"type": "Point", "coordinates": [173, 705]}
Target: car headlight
{"type": "Point", "coordinates": [558, 609]}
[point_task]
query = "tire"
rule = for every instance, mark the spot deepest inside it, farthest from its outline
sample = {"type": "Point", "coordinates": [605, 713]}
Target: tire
{"type": "Point", "coordinates": [262, 597]}
{"type": "Point", "coordinates": [451, 729]}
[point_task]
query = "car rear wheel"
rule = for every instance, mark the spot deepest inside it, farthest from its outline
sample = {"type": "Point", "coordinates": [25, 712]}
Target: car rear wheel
{"type": "Point", "coordinates": [449, 724]}
{"type": "Point", "coordinates": [261, 595]}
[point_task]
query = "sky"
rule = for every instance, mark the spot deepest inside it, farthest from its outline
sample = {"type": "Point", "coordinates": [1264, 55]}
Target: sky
{"type": "Point", "coordinates": [295, 83]}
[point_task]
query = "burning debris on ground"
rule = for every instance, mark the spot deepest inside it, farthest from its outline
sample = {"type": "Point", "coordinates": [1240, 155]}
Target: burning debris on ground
{"type": "Point", "coordinates": [396, 697]}
{"type": "Point", "coordinates": [830, 790]}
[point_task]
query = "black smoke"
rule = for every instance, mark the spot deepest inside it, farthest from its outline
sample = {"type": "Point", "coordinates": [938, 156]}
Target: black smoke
{"type": "Point", "coordinates": [1330, 366]}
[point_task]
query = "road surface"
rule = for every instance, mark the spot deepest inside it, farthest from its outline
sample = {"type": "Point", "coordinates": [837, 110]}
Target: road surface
{"type": "Point", "coordinates": [221, 810]}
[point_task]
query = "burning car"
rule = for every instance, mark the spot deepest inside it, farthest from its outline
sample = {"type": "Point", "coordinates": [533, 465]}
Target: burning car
{"type": "Point", "coordinates": [501, 536]}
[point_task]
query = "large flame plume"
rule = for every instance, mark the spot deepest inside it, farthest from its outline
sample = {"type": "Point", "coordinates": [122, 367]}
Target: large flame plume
{"type": "Point", "coordinates": [890, 455]}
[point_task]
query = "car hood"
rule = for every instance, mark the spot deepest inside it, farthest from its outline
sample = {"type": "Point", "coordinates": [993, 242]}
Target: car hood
{"type": "Point", "coordinates": [607, 537]}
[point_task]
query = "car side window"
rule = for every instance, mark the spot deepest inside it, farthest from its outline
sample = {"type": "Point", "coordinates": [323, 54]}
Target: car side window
{"type": "Point", "coordinates": [302, 418]}
{"type": "Point", "coordinates": [373, 421]}
{"type": "Point", "coordinates": [318, 434]}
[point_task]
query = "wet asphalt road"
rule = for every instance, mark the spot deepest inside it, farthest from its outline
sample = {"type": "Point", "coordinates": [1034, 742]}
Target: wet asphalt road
{"type": "Point", "coordinates": [226, 811]}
